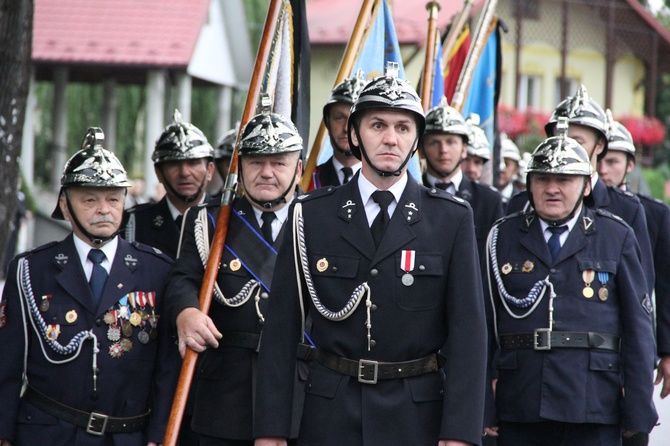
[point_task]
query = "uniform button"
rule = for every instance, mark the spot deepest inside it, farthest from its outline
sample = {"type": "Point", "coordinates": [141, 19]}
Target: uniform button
{"type": "Point", "coordinates": [224, 265]}
{"type": "Point", "coordinates": [422, 268]}
{"type": "Point", "coordinates": [373, 343]}
{"type": "Point", "coordinates": [54, 318]}
{"type": "Point", "coordinates": [374, 273]}
{"type": "Point", "coordinates": [98, 322]}
{"type": "Point", "coordinates": [264, 295]}
{"type": "Point", "coordinates": [441, 392]}
{"type": "Point", "coordinates": [29, 417]}
{"type": "Point", "coordinates": [309, 385]}
{"type": "Point", "coordinates": [373, 307]}
{"type": "Point", "coordinates": [334, 269]}
{"type": "Point", "coordinates": [553, 271]}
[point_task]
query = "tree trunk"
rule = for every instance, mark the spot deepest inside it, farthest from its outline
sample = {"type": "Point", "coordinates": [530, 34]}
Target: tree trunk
{"type": "Point", "coordinates": [16, 24]}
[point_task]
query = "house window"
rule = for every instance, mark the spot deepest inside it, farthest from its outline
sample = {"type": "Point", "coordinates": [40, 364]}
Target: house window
{"type": "Point", "coordinates": [529, 92]}
{"type": "Point", "coordinates": [571, 86]}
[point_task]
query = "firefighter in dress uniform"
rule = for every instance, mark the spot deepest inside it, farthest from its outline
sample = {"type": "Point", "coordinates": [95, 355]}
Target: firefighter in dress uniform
{"type": "Point", "coordinates": [479, 149]}
{"type": "Point", "coordinates": [340, 167]}
{"type": "Point", "coordinates": [86, 358]}
{"type": "Point", "coordinates": [387, 271]}
{"type": "Point", "coordinates": [444, 147]}
{"type": "Point", "coordinates": [588, 126]}
{"type": "Point", "coordinates": [572, 319]}
{"type": "Point", "coordinates": [270, 169]}
{"type": "Point", "coordinates": [183, 162]}
{"type": "Point", "coordinates": [613, 168]}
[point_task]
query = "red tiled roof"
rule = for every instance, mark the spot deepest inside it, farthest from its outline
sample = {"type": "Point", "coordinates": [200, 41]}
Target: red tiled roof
{"type": "Point", "coordinates": [120, 32]}
{"type": "Point", "coordinates": [332, 21]}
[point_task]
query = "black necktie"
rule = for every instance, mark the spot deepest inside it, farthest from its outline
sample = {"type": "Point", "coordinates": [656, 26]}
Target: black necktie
{"type": "Point", "coordinates": [381, 221]}
{"type": "Point", "coordinates": [99, 274]}
{"type": "Point", "coordinates": [348, 173]}
{"type": "Point", "coordinates": [554, 242]}
{"type": "Point", "coordinates": [266, 227]}
{"type": "Point", "coordinates": [444, 186]}
{"type": "Point", "coordinates": [178, 221]}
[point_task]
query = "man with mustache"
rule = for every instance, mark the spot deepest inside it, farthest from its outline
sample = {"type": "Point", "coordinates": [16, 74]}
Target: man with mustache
{"type": "Point", "coordinates": [269, 170]}
{"type": "Point", "coordinates": [86, 358]}
{"type": "Point", "coordinates": [184, 164]}
{"type": "Point", "coordinates": [386, 272]}
{"type": "Point", "coordinates": [340, 167]}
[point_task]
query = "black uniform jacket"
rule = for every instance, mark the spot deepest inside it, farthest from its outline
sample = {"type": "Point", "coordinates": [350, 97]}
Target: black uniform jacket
{"type": "Point", "coordinates": [442, 310]}
{"type": "Point", "coordinates": [574, 385]}
{"type": "Point", "coordinates": [325, 175]}
{"type": "Point", "coordinates": [658, 222]}
{"type": "Point", "coordinates": [223, 405]}
{"type": "Point", "coordinates": [615, 201]}
{"type": "Point", "coordinates": [486, 204]}
{"type": "Point", "coordinates": [153, 225]}
{"type": "Point", "coordinates": [140, 379]}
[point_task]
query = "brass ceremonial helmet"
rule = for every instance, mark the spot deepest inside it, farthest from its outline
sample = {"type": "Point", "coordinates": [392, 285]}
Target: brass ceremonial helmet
{"type": "Point", "coordinates": [560, 154]}
{"type": "Point", "coordinates": [345, 92]}
{"type": "Point", "coordinates": [580, 109]}
{"type": "Point", "coordinates": [619, 138]}
{"type": "Point", "coordinates": [92, 166]}
{"type": "Point", "coordinates": [226, 145]}
{"type": "Point", "coordinates": [445, 119]}
{"type": "Point", "coordinates": [181, 141]}
{"type": "Point", "coordinates": [391, 93]}
{"type": "Point", "coordinates": [269, 133]}
{"type": "Point", "coordinates": [478, 143]}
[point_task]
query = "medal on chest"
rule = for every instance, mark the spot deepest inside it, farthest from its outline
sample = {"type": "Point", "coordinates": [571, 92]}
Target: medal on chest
{"type": "Point", "coordinates": [407, 259]}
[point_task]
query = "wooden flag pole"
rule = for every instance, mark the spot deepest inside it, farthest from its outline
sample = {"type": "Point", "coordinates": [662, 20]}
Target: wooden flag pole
{"type": "Point", "coordinates": [347, 64]}
{"type": "Point", "coordinates": [429, 65]}
{"type": "Point", "coordinates": [219, 238]}
{"type": "Point", "coordinates": [486, 20]}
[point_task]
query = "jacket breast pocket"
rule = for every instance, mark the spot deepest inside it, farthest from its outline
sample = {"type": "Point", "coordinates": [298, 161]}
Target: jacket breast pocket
{"type": "Point", "coordinates": [421, 281]}
{"type": "Point", "coordinates": [598, 276]}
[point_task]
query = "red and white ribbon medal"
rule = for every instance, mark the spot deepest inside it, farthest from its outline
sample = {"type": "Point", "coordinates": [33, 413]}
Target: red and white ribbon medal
{"type": "Point", "coordinates": [407, 258]}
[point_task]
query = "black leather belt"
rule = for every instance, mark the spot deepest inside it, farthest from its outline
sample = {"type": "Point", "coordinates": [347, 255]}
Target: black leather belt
{"type": "Point", "coordinates": [252, 341]}
{"type": "Point", "coordinates": [545, 339]}
{"type": "Point", "coordinates": [95, 423]}
{"type": "Point", "coordinates": [369, 371]}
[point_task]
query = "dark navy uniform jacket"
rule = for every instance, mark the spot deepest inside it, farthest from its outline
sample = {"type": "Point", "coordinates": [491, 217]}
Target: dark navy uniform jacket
{"type": "Point", "coordinates": [615, 201]}
{"type": "Point", "coordinates": [140, 379]}
{"type": "Point", "coordinates": [153, 225]}
{"type": "Point", "coordinates": [223, 405]}
{"type": "Point", "coordinates": [441, 311]}
{"type": "Point", "coordinates": [575, 385]}
{"type": "Point", "coordinates": [658, 222]}
{"type": "Point", "coordinates": [486, 204]}
{"type": "Point", "coordinates": [325, 175]}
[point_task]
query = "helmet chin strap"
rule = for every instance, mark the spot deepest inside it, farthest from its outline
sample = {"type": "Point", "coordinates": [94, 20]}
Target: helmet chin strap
{"type": "Point", "coordinates": [272, 203]}
{"type": "Point", "coordinates": [185, 198]}
{"type": "Point", "coordinates": [384, 173]}
{"type": "Point", "coordinates": [441, 174]}
{"type": "Point", "coordinates": [340, 150]}
{"type": "Point", "coordinates": [96, 240]}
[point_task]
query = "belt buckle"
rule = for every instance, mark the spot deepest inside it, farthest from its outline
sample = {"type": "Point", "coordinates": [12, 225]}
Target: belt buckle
{"type": "Point", "coordinates": [94, 418]}
{"type": "Point", "coordinates": [542, 339]}
{"type": "Point", "coordinates": [363, 364]}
